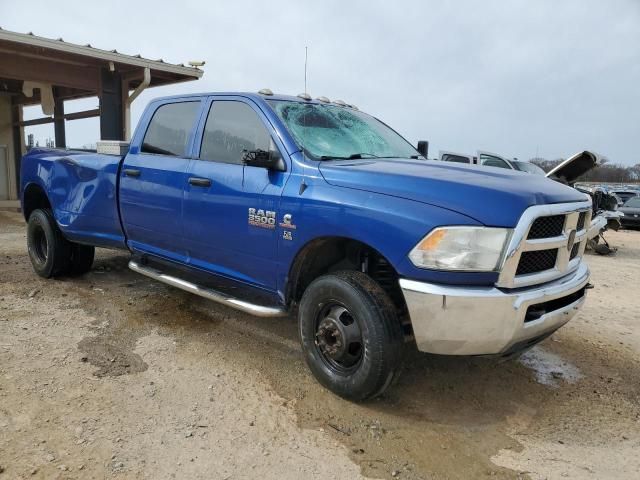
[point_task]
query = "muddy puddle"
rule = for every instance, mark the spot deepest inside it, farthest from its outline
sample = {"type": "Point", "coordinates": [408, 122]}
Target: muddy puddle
{"type": "Point", "coordinates": [550, 369]}
{"type": "Point", "coordinates": [111, 359]}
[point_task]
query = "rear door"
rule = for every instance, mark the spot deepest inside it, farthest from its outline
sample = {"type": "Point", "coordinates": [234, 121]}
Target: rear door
{"type": "Point", "coordinates": [231, 210]}
{"type": "Point", "coordinates": [153, 178]}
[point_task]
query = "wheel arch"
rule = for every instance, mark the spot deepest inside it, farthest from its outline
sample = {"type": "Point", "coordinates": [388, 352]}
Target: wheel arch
{"type": "Point", "coordinates": [33, 198]}
{"type": "Point", "coordinates": [333, 253]}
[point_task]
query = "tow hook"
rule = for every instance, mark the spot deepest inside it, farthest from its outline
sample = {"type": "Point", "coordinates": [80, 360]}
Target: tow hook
{"type": "Point", "coordinates": [589, 286]}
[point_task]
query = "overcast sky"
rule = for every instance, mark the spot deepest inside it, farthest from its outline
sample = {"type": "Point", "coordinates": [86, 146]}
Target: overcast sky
{"type": "Point", "coordinates": [515, 77]}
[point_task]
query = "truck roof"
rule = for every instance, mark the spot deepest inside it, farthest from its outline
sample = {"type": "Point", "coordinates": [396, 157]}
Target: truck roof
{"type": "Point", "coordinates": [256, 96]}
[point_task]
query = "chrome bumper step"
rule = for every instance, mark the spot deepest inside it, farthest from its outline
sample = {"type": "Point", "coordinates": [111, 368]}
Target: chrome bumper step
{"type": "Point", "coordinates": [208, 293]}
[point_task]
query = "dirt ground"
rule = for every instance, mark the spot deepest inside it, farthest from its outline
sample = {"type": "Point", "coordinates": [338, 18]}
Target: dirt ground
{"type": "Point", "coordinates": [113, 375]}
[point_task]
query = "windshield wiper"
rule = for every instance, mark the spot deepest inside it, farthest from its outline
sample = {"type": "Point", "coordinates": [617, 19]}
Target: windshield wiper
{"type": "Point", "coordinates": [353, 156]}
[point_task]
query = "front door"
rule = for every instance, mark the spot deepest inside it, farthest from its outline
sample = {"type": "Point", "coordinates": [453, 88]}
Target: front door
{"type": "Point", "coordinates": [231, 210]}
{"type": "Point", "coordinates": [153, 178]}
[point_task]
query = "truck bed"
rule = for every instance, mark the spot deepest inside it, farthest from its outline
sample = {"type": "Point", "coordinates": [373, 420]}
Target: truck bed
{"type": "Point", "coordinates": [82, 189]}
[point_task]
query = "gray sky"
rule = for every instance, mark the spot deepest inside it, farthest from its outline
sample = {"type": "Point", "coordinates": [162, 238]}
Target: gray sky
{"type": "Point", "coordinates": [508, 77]}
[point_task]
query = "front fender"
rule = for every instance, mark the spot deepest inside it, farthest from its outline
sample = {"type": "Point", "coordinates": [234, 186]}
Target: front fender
{"type": "Point", "coordinates": [390, 225]}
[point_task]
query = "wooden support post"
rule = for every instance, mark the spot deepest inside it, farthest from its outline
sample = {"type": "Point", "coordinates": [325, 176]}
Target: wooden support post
{"type": "Point", "coordinates": [111, 109]}
{"type": "Point", "coordinates": [18, 143]}
{"type": "Point", "coordinates": [58, 123]}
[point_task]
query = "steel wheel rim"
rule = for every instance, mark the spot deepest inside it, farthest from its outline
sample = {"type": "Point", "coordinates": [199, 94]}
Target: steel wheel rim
{"type": "Point", "coordinates": [338, 338]}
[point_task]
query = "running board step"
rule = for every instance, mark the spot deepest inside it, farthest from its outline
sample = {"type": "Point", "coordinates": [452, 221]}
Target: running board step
{"type": "Point", "coordinates": [208, 293]}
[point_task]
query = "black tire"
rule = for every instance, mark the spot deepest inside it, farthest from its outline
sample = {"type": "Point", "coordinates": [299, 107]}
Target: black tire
{"type": "Point", "coordinates": [352, 372]}
{"type": "Point", "coordinates": [81, 258]}
{"type": "Point", "coordinates": [49, 251]}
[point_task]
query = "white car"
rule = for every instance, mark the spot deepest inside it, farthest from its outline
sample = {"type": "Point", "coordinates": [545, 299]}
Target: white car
{"type": "Point", "coordinates": [491, 160]}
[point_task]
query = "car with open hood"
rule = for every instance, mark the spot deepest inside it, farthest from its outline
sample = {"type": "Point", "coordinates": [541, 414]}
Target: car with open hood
{"type": "Point", "coordinates": [605, 203]}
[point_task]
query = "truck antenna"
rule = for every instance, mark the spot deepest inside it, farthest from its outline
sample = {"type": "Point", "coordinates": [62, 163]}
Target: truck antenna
{"type": "Point", "coordinates": [305, 69]}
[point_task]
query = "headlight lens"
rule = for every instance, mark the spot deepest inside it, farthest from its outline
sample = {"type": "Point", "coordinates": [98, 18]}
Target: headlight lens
{"type": "Point", "coordinates": [476, 249]}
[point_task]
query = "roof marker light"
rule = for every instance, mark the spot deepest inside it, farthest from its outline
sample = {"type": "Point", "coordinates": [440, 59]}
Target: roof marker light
{"type": "Point", "coordinates": [266, 91]}
{"type": "Point", "coordinates": [323, 99]}
{"type": "Point", "coordinates": [304, 96]}
{"type": "Point", "coordinates": [342, 103]}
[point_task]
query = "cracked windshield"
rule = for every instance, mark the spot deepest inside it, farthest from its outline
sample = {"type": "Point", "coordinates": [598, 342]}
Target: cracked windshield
{"type": "Point", "coordinates": [327, 132]}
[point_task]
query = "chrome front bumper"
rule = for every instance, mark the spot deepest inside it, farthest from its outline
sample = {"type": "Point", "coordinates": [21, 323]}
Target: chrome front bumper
{"type": "Point", "coordinates": [452, 320]}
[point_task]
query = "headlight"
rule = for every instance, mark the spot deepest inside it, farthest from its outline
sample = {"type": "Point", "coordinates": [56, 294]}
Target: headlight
{"type": "Point", "coordinates": [475, 249]}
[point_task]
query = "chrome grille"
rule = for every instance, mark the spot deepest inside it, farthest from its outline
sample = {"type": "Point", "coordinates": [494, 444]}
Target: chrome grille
{"type": "Point", "coordinates": [545, 227]}
{"type": "Point", "coordinates": [547, 243]}
{"type": "Point", "coordinates": [537, 261]}
{"type": "Point", "coordinates": [582, 220]}
{"type": "Point", "coordinates": [574, 251]}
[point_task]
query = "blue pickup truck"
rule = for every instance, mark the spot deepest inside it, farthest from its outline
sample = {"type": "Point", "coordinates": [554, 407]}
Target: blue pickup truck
{"type": "Point", "coordinates": [273, 204]}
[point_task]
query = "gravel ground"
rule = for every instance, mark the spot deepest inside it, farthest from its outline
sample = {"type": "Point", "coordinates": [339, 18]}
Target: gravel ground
{"type": "Point", "coordinates": [113, 375]}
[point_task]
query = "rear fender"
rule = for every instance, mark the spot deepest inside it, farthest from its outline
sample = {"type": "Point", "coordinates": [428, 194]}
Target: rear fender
{"type": "Point", "coordinates": [81, 189]}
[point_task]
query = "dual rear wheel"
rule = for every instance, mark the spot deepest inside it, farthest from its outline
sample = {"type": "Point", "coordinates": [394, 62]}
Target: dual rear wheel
{"type": "Point", "coordinates": [50, 253]}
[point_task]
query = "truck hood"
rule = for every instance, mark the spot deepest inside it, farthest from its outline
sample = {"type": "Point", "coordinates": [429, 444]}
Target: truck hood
{"type": "Point", "coordinates": [575, 166]}
{"type": "Point", "coordinates": [491, 196]}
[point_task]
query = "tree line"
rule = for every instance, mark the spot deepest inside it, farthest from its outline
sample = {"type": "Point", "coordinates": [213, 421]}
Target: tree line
{"type": "Point", "coordinates": [606, 173]}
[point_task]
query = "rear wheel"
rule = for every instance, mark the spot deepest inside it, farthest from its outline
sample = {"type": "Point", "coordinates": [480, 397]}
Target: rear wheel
{"type": "Point", "coordinates": [81, 258]}
{"type": "Point", "coordinates": [49, 251]}
{"type": "Point", "coordinates": [350, 333]}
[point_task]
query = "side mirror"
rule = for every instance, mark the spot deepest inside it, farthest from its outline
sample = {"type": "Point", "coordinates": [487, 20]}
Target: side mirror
{"type": "Point", "coordinates": [271, 160]}
{"type": "Point", "coordinates": [423, 148]}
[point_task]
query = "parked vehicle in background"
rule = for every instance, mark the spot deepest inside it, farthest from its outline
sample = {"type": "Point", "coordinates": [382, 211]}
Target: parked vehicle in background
{"type": "Point", "coordinates": [273, 204]}
{"type": "Point", "coordinates": [491, 160]}
{"type": "Point", "coordinates": [624, 195]}
{"type": "Point", "coordinates": [457, 157]}
{"type": "Point", "coordinates": [604, 203]}
{"type": "Point", "coordinates": [631, 210]}
{"type": "Point", "coordinates": [526, 167]}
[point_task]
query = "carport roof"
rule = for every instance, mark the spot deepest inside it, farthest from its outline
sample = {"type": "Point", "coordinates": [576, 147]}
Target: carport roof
{"type": "Point", "coordinates": [75, 68]}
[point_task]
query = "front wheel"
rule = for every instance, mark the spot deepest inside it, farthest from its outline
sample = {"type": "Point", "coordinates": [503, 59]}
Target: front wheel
{"type": "Point", "coordinates": [350, 334]}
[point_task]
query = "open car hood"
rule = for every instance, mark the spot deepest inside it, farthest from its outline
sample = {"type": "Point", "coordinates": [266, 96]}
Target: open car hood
{"type": "Point", "coordinates": [575, 166]}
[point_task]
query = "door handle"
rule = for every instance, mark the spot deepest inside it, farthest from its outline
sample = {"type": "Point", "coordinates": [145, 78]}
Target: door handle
{"type": "Point", "coordinates": [200, 182]}
{"type": "Point", "coordinates": [131, 172]}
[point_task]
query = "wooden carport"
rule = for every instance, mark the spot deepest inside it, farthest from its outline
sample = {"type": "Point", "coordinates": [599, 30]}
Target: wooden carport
{"type": "Point", "coordinates": [36, 70]}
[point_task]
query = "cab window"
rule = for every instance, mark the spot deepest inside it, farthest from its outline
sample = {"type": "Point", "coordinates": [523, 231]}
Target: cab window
{"type": "Point", "coordinates": [232, 129]}
{"type": "Point", "coordinates": [169, 129]}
